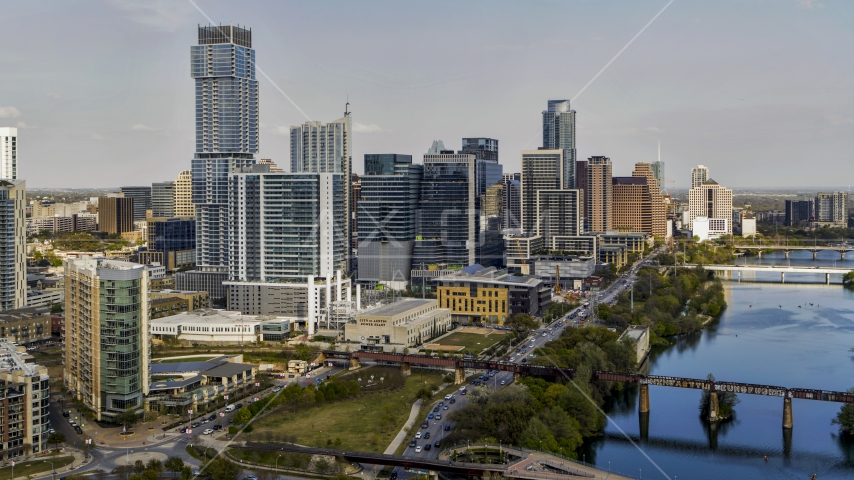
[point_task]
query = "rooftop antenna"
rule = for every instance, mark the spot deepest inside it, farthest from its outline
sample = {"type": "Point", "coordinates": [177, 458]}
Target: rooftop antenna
{"type": "Point", "coordinates": [659, 151]}
{"type": "Point", "coordinates": [347, 106]}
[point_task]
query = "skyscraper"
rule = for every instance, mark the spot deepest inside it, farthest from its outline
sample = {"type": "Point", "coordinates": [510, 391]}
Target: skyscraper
{"type": "Point", "coordinates": [223, 68]}
{"type": "Point", "coordinates": [512, 218]}
{"type": "Point", "coordinates": [115, 214]}
{"type": "Point", "coordinates": [699, 175]}
{"type": "Point", "coordinates": [799, 211]}
{"type": "Point", "coordinates": [599, 195]}
{"type": "Point", "coordinates": [481, 147]}
{"type": "Point", "coordinates": [637, 203]}
{"type": "Point", "coordinates": [163, 199]}
{"type": "Point", "coordinates": [541, 170]}
{"type": "Point", "coordinates": [387, 217]}
{"type": "Point", "coordinates": [183, 191]}
{"type": "Point", "coordinates": [831, 209]}
{"type": "Point", "coordinates": [710, 200]}
{"type": "Point", "coordinates": [559, 133]}
{"type": "Point", "coordinates": [13, 247]}
{"type": "Point", "coordinates": [9, 153]}
{"type": "Point", "coordinates": [325, 148]}
{"type": "Point", "coordinates": [141, 200]}
{"type": "Point", "coordinates": [107, 352]}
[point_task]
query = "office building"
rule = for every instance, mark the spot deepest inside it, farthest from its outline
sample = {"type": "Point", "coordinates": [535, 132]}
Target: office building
{"type": "Point", "coordinates": [705, 228]}
{"type": "Point", "coordinates": [355, 195]}
{"type": "Point", "coordinates": [436, 148]}
{"type": "Point", "coordinates": [325, 148]}
{"type": "Point", "coordinates": [451, 228]}
{"type": "Point", "coordinates": [171, 242]}
{"type": "Point", "coordinates": [481, 147]}
{"type": "Point", "coordinates": [710, 200]}
{"type": "Point", "coordinates": [273, 167]}
{"type": "Point", "coordinates": [479, 294]}
{"type": "Point", "coordinates": [658, 173]}
{"type": "Point", "coordinates": [388, 208]}
{"type": "Point", "coordinates": [163, 199]}
{"type": "Point", "coordinates": [408, 323]}
{"type": "Point", "coordinates": [638, 204]}
{"type": "Point", "coordinates": [183, 190]}
{"type": "Point", "coordinates": [223, 69]}
{"type": "Point", "coordinates": [9, 153]}
{"type": "Point", "coordinates": [599, 195]}
{"type": "Point", "coordinates": [581, 176]}
{"type": "Point", "coordinates": [106, 334]}
{"type": "Point", "coordinates": [568, 270]}
{"type": "Point", "coordinates": [799, 212]}
{"type": "Point", "coordinates": [115, 214]}
{"type": "Point", "coordinates": [211, 282]}
{"type": "Point", "coordinates": [512, 203]}
{"type": "Point", "coordinates": [74, 223]}
{"type": "Point", "coordinates": [559, 134]}
{"type": "Point", "coordinates": [141, 200]}
{"type": "Point", "coordinates": [699, 175]}
{"type": "Point", "coordinates": [493, 208]}
{"type": "Point", "coordinates": [548, 209]}
{"type": "Point", "coordinates": [831, 209]}
{"type": "Point", "coordinates": [13, 237]}
{"type": "Point", "coordinates": [25, 390]}
{"type": "Point", "coordinates": [219, 327]}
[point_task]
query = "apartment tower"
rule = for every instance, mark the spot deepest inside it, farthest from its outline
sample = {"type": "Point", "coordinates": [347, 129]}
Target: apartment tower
{"type": "Point", "coordinates": [13, 247]}
{"type": "Point", "coordinates": [9, 153]}
{"type": "Point", "coordinates": [559, 134]}
{"type": "Point", "coordinates": [599, 195]}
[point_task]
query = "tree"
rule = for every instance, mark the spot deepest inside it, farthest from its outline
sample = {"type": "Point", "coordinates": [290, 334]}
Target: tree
{"type": "Point", "coordinates": [845, 418]}
{"type": "Point", "coordinates": [726, 402]}
{"type": "Point", "coordinates": [128, 418]}
{"type": "Point", "coordinates": [243, 415]}
{"type": "Point", "coordinates": [56, 438]}
{"type": "Point", "coordinates": [174, 464]}
{"type": "Point", "coordinates": [149, 475]}
{"type": "Point", "coordinates": [138, 466]}
{"type": "Point", "coordinates": [521, 321]}
{"type": "Point", "coordinates": [186, 472]}
{"type": "Point", "coordinates": [221, 469]}
{"type": "Point", "coordinates": [155, 465]}
{"type": "Point", "coordinates": [848, 278]}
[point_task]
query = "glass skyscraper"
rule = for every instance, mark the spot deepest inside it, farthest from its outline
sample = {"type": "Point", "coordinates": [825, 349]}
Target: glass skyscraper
{"type": "Point", "coordinates": [223, 67]}
{"type": "Point", "coordinates": [559, 134]}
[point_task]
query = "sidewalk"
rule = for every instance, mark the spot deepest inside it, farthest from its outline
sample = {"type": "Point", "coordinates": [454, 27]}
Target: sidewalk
{"type": "Point", "coordinates": [79, 461]}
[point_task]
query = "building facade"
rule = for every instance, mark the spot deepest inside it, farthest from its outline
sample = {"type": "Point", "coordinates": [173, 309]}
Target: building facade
{"type": "Point", "coordinates": [831, 209]}
{"type": "Point", "coordinates": [638, 204]}
{"type": "Point", "coordinates": [183, 191]}
{"type": "Point", "coordinates": [481, 147]}
{"type": "Point", "coordinates": [163, 199]}
{"type": "Point", "coordinates": [799, 212]}
{"type": "Point", "coordinates": [25, 390]}
{"type": "Point", "coordinates": [387, 216]}
{"type": "Point", "coordinates": [141, 200]}
{"type": "Point", "coordinates": [408, 323]}
{"type": "Point", "coordinates": [9, 153]}
{"type": "Point", "coordinates": [115, 214]}
{"type": "Point", "coordinates": [559, 134]}
{"type": "Point", "coordinates": [599, 195]}
{"type": "Point", "coordinates": [171, 242]}
{"type": "Point", "coordinates": [699, 175]}
{"type": "Point", "coordinates": [13, 247]}
{"type": "Point", "coordinates": [25, 325]}
{"type": "Point", "coordinates": [107, 352]}
{"type": "Point", "coordinates": [712, 201]}
{"type": "Point", "coordinates": [512, 203]}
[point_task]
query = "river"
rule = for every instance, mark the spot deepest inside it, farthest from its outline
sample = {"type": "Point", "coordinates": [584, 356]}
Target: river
{"type": "Point", "coordinates": [769, 334]}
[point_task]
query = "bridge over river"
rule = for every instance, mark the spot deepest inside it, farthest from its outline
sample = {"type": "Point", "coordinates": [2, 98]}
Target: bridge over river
{"type": "Point", "coordinates": [781, 269]}
{"type": "Point", "coordinates": [644, 381]}
{"type": "Point", "coordinates": [842, 249]}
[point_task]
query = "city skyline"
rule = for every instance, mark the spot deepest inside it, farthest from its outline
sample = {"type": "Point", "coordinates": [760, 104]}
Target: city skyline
{"type": "Point", "coordinates": [127, 98]}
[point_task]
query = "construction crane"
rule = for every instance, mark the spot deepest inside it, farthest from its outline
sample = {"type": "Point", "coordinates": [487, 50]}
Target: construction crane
{"type": "Point", "coordinates": [557, 279]}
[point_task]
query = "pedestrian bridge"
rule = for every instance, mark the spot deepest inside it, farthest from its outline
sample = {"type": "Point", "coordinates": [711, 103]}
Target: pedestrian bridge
{"type": "Point", "coordinates": [781, 269]}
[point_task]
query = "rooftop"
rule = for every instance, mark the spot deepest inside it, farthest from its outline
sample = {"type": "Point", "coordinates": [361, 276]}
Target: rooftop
{"type": "Point", "coordinates": [24, 313]}
{"type": "Point", "coordinates": [210, 316]}
{"type": "Point", "coordinates": [400, 307]}
{"type": "Point", "coordinates": [11, 360]}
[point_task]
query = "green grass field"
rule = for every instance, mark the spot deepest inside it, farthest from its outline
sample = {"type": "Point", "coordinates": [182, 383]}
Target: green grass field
{"type": "Point", "coordinates": [26, 469]}
{"type": "Point", "coordinates": [368, 423]}
{"type": "Point", "coordinates": [473, 342]}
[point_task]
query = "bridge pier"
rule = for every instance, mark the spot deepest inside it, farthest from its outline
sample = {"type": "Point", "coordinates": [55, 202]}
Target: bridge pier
{"type": "Point", "coordinates": [517, 377]}
{"type": "Point", "coordinates": [787, 412]}
{"type": "Point", "coordinates": [787, 254]}
{"type": "Point", "coordinates": [459, 376]}
{"type": "Point", "coordinates": [739, 275]}
{"type": "Point", "coordinates": [713, 406]}
{"type": "Point", "coordinates": [814, 254]}
{"type": "Point", "coordinates": [404, 368]}
{"type": "Point", "coordinates": [643, 404]}
{"type": "Point", "coordinates": [759, 253]}
{"type": "Point", "coordinates": [354, 363]}
{"type": "Point", "coordinates": [827, 278]}
{"type": "Point", "coordinates": [842, 252]}
{"type": "Point", "coordinates": [782, 277]}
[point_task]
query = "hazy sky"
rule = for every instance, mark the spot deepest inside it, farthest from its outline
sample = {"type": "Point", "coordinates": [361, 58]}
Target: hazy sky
{"type": "Point", "coordinates": [761, 92]}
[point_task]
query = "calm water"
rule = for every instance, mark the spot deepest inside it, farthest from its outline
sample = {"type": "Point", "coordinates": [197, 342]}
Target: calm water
{"type": "Point", "coordinates": [762, 337]}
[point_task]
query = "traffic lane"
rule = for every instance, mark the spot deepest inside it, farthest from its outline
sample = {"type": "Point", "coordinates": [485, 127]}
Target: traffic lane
{"type": "Point", "coordinates": [61, 425]}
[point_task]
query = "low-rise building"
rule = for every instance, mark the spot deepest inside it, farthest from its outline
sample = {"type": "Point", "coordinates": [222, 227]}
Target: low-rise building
{"type": "Point", "coordinates": [616, 254]}
{"type": "Point", "coordinates": [171, 302]}
{"type": "Point", "coordinates": [639, 335]}
{"type": "Point", "coordinates": [407, 323]}
{"type": "Point", "coordinates": [297, 366]}
{"type": "Point", "coordinates": [217, 327]}
{"type": "Point", "coordinates": [25, 325]}
{"type": "Point", "coordinates": [488, 295]}
{"type": "Point", "coordinates": [182, 385]}
{"type": "Point", "coordinates": [633, 241]}
{"type": "Point", "coordinates": [570, 268]}
{"type": "Point", "coordinates": [25, 390]}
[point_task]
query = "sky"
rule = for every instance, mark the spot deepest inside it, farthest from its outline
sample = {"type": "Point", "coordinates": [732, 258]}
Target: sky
{"type": "Point", "coordinates": [761, 92]}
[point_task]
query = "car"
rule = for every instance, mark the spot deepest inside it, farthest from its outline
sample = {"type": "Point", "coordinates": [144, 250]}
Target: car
{"type": "Point", "coordinates": [51, 431]}
{"type": "Point", "coordinates": [436, 409]}
{"type": "Point", "coordinates": [425, 425]}
{"type": "Point", "coordinates": [444, 407]}
{"type": "Point", "coordinates": [393, 476]}
{"type": "Point", "coordinates": [503, 382]}
{"type": "Point", "coordinates": [524, 360]}
{"type": "Point", "coordinates": [426, 435]}
{"type": "Point", "coordinates": [430, 417]}
{"type": "Point", "coordinates": [545, 334]}
{"type": "Point", "coordinates": [212, 417]}
{"type": "Point", "coordinates": [195, 473]}
{"type": "Point", "coordinates": [427, 447]}
{"type": "Point", "coordinates": [464, 392]}
{"type": "Point", "coordinates": [462, 388]}
{"type": "Point", "coordinates": [276, 389]}
{"type": "Point", "coordinates": [66, 414]}
{"type": "Point", "coordinates": [447, 428]}
{"type": "Point", "coordinates": [453, 400]}
{"type": "Point", "coordinates": [437, 444]}
{"type": "Point", "coordinates": [250, 477]}
{"type": "Point", "coordinates": [438, 416]}
{"type": "Point", "coordinates": [78, 429]}
{"type": "Point", "coordinates": [195, 424]}
{"type": "Point", "coordinates": [217, 427]}
{"type": "Point", "coordinates": [491, 374]}
{"type": "Point", "coordinates": [184, 430]}
{"type": "Point", "coordinates": [412, 443]}
{"type": "Point", "coordinates": [239, 405]}
{"type": "Point", "coordinates": [418, 449]}
{"type": "Point", "coordinates": [208, 431]}
{"type": "Point", "coordinates": [512, 359]}
{"type": "Point", "coordinates": [448, 397]}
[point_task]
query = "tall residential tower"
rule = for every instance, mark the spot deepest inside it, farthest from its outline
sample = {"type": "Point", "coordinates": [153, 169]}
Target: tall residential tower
{"type": "Point", "coordinates": [559, 134]}
{"type": "Point", "coordinates": [9, 153]}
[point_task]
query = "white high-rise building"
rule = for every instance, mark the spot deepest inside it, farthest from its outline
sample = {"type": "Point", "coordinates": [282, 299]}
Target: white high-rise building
{"type": "Point", "coordinates": [699, 175]}
{"type": "Point", "coordinates": [13, 247]}
{"type": "Point", "coordinates": [9, 153]}
{"type": "Point", "coordinates": [710, 200]}
{"type": "Point", "coordinates": [325, 148]}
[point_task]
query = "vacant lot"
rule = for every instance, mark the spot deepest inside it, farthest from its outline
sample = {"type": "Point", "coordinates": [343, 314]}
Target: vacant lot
{"type": "Point", "coordinates": [367, 423]}
{"type": "Point", "coordinates": [472, 342]}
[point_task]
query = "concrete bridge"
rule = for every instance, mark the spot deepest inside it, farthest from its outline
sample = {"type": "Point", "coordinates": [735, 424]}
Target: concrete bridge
{"type": "Point", "coordinates": [841, 249]}
{"type": "Point", "coordinates": [644, 381]}
{"type": "Point", "coordinates": [782, 270]}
